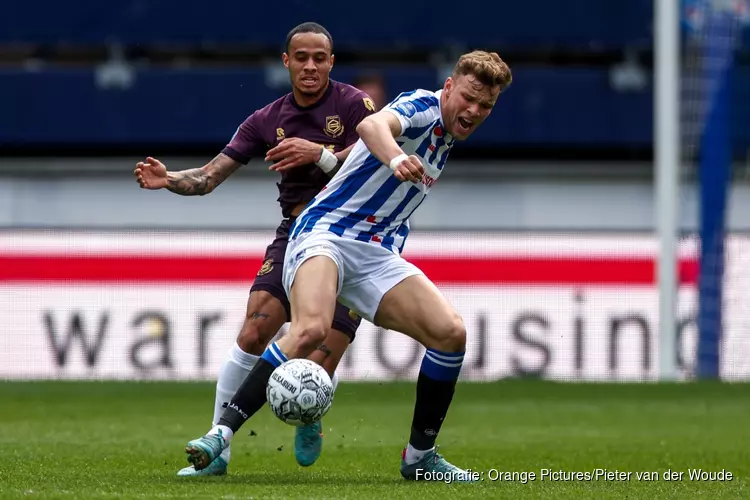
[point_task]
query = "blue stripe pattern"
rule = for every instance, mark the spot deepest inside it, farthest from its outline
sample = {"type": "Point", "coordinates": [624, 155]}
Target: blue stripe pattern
{"type": "Point", "coordinates": [402, 95]}
{"type": "Point", "coordinates": [372, 197]}
{"type": "Point", "coordinates": [421, 104]}
{"type": "Point", "coordinates": [424, 197]}
{"type": "Point", "coordinates": [438, 144]}
{"type": "Point", "coordinates": [403, 232]}
{"type": "Point", "coordinates": [273, 355]}
{"type": "Point", "coordinates": [296, 223]}
{"type": "Point", "coordinates": [444, 157]}
{"type": "Point", "coordinates": [390, 239]}
{"type": "Point", "coordinates": [444, 366]}
{"type": "Point", "coordinates": [415, 132]}
{"type": "Point", "coordinates": [340, 196]}
{"type": "Point", "coordinates": [366, 235]}
{"type": "Point", "coordinates": [425, 103]}
{"type": "Point", "coordinates": [424, 146]}
{"type": "Point", "coordinates": [371, 206]}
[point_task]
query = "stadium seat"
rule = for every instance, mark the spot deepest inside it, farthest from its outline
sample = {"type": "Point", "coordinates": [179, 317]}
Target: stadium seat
{"type": "Point", "coordinates": [78, 106]}
{"type": "Point", "coordinates": [525, 25]}
{"type": "Point", "coordinates": [544, 106]}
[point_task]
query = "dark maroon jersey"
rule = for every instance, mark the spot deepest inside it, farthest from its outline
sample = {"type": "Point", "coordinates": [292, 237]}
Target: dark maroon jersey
{"type": "Point", "coordinates": [331, 122]}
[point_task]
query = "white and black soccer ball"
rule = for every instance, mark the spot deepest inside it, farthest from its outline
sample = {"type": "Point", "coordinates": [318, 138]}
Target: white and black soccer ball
{"type": "Point", "coordinates": [299, 392]}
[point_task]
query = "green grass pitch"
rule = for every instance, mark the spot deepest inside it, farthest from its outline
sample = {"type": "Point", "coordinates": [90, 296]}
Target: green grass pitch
{"type": "Point", "coordinates": [125, 440]}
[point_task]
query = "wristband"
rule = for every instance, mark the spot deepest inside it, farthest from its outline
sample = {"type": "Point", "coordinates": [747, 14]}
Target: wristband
{"type": "Point", "coordinates": [328, 161]}
{"type": "Point", "coordinates": [397, 160]}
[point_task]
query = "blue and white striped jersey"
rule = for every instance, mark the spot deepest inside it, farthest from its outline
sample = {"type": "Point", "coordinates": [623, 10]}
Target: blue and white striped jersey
{"type": "Point", "coordinates": [364, 200]}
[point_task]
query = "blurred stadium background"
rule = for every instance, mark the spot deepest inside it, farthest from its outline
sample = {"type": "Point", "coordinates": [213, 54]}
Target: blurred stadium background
{"type": "Point", "coordinates": [543, 230]}
{"type": "Point", "coordinates": [546, 232]}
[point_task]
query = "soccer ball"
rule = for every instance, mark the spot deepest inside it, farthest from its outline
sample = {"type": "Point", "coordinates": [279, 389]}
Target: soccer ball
{"type": "Point", "coordinates": [299, 392]}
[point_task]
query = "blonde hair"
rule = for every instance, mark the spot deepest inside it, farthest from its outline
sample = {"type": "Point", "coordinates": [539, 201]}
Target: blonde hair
{"type": "Point", "coordinates": [487, 67]}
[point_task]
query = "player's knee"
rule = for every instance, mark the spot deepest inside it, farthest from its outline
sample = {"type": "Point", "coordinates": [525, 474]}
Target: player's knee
{"type": "Point", "coordinates": [310, 335]}
{"type": "Point", "coordinates": [252, 339]}
{"type": "Point", "coordinates": [452, 336]}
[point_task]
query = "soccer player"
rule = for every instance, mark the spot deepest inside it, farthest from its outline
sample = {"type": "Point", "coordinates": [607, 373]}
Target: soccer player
{"type": "Point", "coordinates": [346, 245]}
{"type": "Point", "coordinates": [310, 131]}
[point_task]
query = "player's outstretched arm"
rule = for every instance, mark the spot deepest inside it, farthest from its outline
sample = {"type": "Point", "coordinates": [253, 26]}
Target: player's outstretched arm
{"type": "Point", "coordinates": [153, 174]}
{"type": "Point", "coordinates": [379, 132]}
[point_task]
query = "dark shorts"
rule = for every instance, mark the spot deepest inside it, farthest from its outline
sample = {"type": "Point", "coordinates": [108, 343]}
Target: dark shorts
{"type": "Point", "coordinates": [269, 279]}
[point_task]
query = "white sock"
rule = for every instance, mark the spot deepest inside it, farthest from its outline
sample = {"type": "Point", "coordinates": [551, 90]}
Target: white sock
{"type": "Point", "coordinates": [233, 372]}
{"type": "Point", "coordinates": [335, 381]}
{"type": "Point", "coordinates": [226, 433]}
{"type": "Point", "coordinates": [414, 455]}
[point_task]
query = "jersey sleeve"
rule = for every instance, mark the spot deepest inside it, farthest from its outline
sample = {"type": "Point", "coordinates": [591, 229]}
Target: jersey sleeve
{"type": "Point", "coordinates": [247, 141]}
{"type": "Point", "coordinates": [361, 107]}
{"type": "Point", "coordinates": [414, 109]}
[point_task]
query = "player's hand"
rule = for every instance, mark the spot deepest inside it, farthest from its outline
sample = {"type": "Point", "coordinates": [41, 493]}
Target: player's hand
{"type": "Point", "coordinates": [410, 169]}
{"type": "Point", "coordinates": [293, 152]}
{"type": "Point", "coordinates": [151, 174]}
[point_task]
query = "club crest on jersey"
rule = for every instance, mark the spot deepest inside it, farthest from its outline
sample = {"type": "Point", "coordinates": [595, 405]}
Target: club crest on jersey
{"type": "Point", "coordinates": [334, 127]}
{"type": "Point", "coordinates": [279, 134]}
{"type": "Point", "coordinates": [266, 268]}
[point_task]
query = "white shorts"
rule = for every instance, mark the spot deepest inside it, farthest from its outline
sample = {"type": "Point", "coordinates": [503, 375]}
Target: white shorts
{"type": "Point", "coordinates": [366, 271]}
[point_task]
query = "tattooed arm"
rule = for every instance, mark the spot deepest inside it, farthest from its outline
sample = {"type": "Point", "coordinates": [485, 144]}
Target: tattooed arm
{"type": "Point", "coordinates": [153, 174]}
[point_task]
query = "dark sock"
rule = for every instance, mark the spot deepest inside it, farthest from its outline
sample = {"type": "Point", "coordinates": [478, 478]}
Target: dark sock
{"type": "Point", "coordinates": [435, 387]}
{"type": "Point", "coordinates": [251, 396]}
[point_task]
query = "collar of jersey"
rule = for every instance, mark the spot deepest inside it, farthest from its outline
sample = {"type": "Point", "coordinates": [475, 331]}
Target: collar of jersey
{"type": "Point", "coordinates": [319, 102]}
{"type": "Point", "coordinates": [448, 137]}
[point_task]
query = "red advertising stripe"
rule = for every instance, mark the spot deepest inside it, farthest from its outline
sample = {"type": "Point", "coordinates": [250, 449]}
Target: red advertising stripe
{"type": "Point", "coordinates": [242, 269]}
{"type": "Point", "coordinates": [579, 270]}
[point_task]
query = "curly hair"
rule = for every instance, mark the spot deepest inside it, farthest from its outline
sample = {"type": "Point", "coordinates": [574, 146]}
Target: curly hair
{"type": "Point", "coordinates": [487, 67]}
